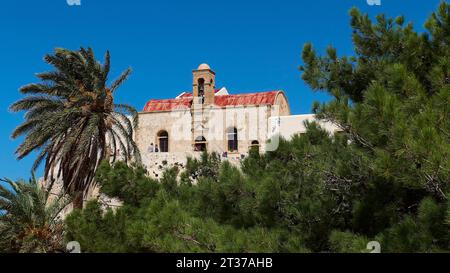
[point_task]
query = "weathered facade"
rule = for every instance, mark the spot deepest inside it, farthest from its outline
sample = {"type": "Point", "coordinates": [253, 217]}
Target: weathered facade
{"type": "Point", "coordinates": [210, 118]}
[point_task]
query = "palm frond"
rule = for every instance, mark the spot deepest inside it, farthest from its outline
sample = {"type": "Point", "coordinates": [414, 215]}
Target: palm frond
{"type": "Point", "coordinates": [122, 78]}
{"type": "Point", "coordinates": [106, 67]}
{"type": "Point", "coordinates": [128, 110]}
{"type": "Point", "coordinates": [28, 215]}
{"type": "Point", "coordinates": [30, 102]}
{"type": "Point", "coordinates": [70, 119]}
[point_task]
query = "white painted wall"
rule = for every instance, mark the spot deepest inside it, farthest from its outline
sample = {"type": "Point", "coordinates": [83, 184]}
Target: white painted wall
{"type": "Point", "coordinates": [288, 126]}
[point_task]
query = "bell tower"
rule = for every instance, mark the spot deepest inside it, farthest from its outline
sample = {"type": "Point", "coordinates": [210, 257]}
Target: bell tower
{"type": "Point", "coordinates": [204, 84]}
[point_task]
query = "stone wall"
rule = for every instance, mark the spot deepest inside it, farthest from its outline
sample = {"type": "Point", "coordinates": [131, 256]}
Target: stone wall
{"type": "Point", "coordinates": [176, 123]}
{"type": "Point", "coordinates": [251, 123]}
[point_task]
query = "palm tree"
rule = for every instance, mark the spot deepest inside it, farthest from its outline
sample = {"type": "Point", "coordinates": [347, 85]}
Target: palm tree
{"type": "Point", "coordinates": [29, 219]}
{"type": "Point", "coordinates": [72, 121]}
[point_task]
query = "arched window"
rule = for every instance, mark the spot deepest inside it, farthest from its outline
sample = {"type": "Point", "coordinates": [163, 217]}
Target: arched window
{"type": "Point", "coordinates": [200, 144]}
{"type": "Point", "coordinates": [232, 137]}
{"type": "Point", "coordinates": [163, 141]}
{"type": "Point", "coordinates": [254, 146]}
{"type": "Point", "coordinates": [255, 143]}
{"type": "Point", "coordinates": [201, 89]}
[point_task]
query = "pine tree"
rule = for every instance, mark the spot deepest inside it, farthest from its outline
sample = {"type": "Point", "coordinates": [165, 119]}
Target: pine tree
{"type": "Point", "coordinates": [391, 101]}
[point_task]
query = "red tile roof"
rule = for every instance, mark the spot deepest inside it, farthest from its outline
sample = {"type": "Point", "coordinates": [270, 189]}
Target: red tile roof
{"type": "Point", "coordinates": [185, 101]}
{"type": "Point", "coordinates": [186, 95]}
{"type": "Point", "coordinates": [261, 98]}
{"type": "Point", "coordinates": [168, 104]}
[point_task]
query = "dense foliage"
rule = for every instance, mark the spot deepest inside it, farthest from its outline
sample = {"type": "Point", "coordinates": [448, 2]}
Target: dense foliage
{"type": "Point", "coordinates": [72, 121]}
{"type": "Point", "coordinates": [385, 177]}
{"type": "Point", "coordinates": [392, 102]}
{"type": "Point", "coordinates": [285, 201]}
{"type": "Point", "coordinates": [30, 219]}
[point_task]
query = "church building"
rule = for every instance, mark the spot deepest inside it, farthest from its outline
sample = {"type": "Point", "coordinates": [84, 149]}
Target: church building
{"type": "Point", "coordinates": [216, 120]}
{"type": "Point", "coordinates": [210, 119]}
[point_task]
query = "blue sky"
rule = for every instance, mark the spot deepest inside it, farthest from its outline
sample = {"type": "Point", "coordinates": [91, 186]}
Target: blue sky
{"type": "Point", "coordinates": [252, 46]}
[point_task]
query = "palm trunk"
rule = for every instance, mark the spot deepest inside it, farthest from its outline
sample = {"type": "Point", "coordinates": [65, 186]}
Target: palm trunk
{"type": "Point", "coordinates": [78, 200]}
